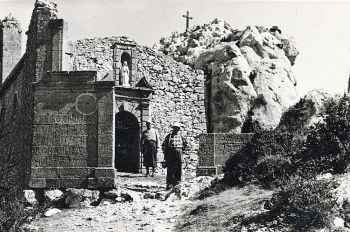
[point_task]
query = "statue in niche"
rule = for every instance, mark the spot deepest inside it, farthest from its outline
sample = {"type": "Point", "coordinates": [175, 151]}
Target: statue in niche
{"type": "Point", "coordinates": [125, 74]}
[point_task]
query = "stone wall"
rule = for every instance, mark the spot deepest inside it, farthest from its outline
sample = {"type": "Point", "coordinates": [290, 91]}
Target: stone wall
{"type": "Point", "coordinates": [17, 96]}
{"type": "Point", "coordinates": [15, 129]}
{"type": "Point", "coordinates": [16, 116]}
{"type": "Point", "coordinates": [178, 89]}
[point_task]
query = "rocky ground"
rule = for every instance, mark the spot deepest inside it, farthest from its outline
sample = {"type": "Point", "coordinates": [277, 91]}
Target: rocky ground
{"type": "Point", "coordinates": [145, 215]}
{"type": "Point", "coordinates": [142, 205]}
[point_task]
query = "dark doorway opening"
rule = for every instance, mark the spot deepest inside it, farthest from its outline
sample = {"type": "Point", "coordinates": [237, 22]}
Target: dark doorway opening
{"type": "Point", "coordinates": [127, 140]}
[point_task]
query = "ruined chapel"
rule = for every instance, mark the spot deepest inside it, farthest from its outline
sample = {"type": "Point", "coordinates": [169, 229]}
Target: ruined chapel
{"type": "Point", "coordinates": [71, 117]}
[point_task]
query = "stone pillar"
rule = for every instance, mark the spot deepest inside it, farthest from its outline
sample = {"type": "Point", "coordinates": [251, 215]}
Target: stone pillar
{"type": "Point", "coordinates": [45, 39]}
{"type": "Point", "coordinates": [105, 172]}
{"type": "Point", "coordinates": [133, 66]}
{"type": "Point", "coordinates": [58, 33]}
{"type": "Point", "coordinates": [106, 131]}
{"type": "Point", "coordinates": [10, 46]}
{"type": "Point", "coordinates": [42, 41]}
{"type": "Point", "coordinates": [145, 115]}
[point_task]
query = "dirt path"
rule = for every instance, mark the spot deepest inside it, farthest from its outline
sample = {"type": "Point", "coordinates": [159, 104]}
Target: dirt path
{"type": "Point", "coordinates": [146, 215]}
{"type": "Point", "coordinates": [142, 215]}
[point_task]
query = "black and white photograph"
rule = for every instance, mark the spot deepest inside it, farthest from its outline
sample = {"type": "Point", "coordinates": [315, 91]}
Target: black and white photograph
{"type": "Point", "coordinates": [174, 115]}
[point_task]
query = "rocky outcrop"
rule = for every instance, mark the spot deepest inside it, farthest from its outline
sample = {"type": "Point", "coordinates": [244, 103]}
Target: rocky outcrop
{"type": "Point", "coordinates": [186, 47]}
{"type": "Point", "coordinates": [246, 71]}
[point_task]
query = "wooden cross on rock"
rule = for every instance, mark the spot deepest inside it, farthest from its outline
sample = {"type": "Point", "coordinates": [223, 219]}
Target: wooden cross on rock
{"type": "Point", "coordinates": [187, 16]}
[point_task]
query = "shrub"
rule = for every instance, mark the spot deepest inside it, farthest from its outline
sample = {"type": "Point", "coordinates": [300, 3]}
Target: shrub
{"type": "Point", "coordinates": [272, 169]}
{"type": "Point", "coordinates": [327, 146]}
{"type": "Point", "coordinates": [273, 157]}
{"type": "Point", "coordinates": [323, 152]}
{"type": "Point", "coordinates": [261, 160]}
{"type": "Point", "coordinates": [13, 213]}
{"type": "Point", "coordinates": [304, 203]}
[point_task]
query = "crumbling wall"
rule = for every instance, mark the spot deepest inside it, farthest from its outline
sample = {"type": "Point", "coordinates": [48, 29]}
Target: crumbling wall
{"type": "Point", "coordinates": [179, 89]}
{"type": "Point", "coordinates": [16, 111]}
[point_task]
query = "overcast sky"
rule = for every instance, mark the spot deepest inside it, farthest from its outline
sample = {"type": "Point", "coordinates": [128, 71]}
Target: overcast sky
{"type": "Point", "coordinates": [321, 29]}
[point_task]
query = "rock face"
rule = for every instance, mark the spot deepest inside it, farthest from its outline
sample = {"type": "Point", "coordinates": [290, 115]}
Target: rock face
{"type": "Point", "coordinates": [186, 47]}
{"type": "Point", "coordinates": [247, 70]}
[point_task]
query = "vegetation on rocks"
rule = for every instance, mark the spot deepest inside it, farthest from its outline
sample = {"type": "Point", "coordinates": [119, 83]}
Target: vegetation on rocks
{"type": "Point", "coordinates": [304, 203]}
{"type": "Point", "coordinates": [285, 159]}
{"type": "Point", "coordinates": [272, 157]}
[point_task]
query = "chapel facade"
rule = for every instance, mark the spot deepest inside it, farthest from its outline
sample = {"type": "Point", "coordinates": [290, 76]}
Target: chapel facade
{"type": "Point", "coordinates": [78, 131]}
{"type": "Point", "coordinates": [62, 127]}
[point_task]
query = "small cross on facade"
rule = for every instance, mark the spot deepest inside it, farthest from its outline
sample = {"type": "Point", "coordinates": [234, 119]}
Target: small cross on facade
{"type": "Point", "coordinates": [187, 16]}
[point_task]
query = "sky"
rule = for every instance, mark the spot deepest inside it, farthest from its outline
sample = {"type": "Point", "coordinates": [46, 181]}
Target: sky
{"type": "Point", "coordinates": [321, 29]}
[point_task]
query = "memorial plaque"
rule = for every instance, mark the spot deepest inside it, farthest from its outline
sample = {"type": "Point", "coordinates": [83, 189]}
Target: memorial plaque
{"type": "Point", "coordinates": [215, 149]}
{"type": "Point", "coordinates": [206, 138]}
{"type": "Point", "coordinates": [219, 149]}
{"type": "Point", "coordinates": [64, 119]}
{"type": "Point", "coordinates": [206, 152]}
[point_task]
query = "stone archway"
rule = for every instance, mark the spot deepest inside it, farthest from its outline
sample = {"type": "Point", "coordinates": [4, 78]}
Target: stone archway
{"type": "Point", "coordinates": [127, 140]}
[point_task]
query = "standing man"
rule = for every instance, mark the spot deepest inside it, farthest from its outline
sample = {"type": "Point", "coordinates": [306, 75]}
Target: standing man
{"type": "Point", "coordinates": [149, 147]}
{"type": "Point", "coordinates": [173, 147]}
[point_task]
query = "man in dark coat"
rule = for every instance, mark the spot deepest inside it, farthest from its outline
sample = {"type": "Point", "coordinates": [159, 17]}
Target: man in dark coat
{"type": "Point", "coordinates": [173, 146]}
{"type": "Point", "coordinates": [149, 147]}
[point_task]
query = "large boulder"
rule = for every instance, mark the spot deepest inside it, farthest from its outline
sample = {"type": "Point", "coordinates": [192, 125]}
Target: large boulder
{"type": "Point", "coordinates": [130, 195]}
{"type": "Point", "coordinates": [30, 198]}
{"type": "Point", "coordinates": [78, 198]}
{"type": "Point", "coordinates": [54, 197]}
{"type": "Point", "coordinates": [247, 71]}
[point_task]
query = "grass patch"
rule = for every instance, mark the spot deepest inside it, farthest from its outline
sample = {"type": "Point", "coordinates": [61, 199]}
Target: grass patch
{"type": "Point", "coordinates": [225, 211]}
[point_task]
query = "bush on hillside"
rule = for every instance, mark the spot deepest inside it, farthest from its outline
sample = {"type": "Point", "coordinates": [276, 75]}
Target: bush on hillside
{"type": "Point", "coordinates": [327, 146]}
{"type": "Point", "coordinates": [265, 158]}
{"type": "Point", "coordinates": [304, 203]}
{"type": "Point", "coordinates": [271, 158]}
{"type": "Point", "coordinates": [13, 212]}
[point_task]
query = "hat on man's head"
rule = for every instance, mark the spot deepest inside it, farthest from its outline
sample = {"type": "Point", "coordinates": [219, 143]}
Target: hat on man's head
{"type": "Point", "coordinates": [176, 124]}
{"type": "Point", "coordinates": [149, 121]}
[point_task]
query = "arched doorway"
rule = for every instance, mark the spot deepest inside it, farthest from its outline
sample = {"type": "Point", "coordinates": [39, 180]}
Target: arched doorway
{"type": "Point", "coordinates": [127, 140]}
